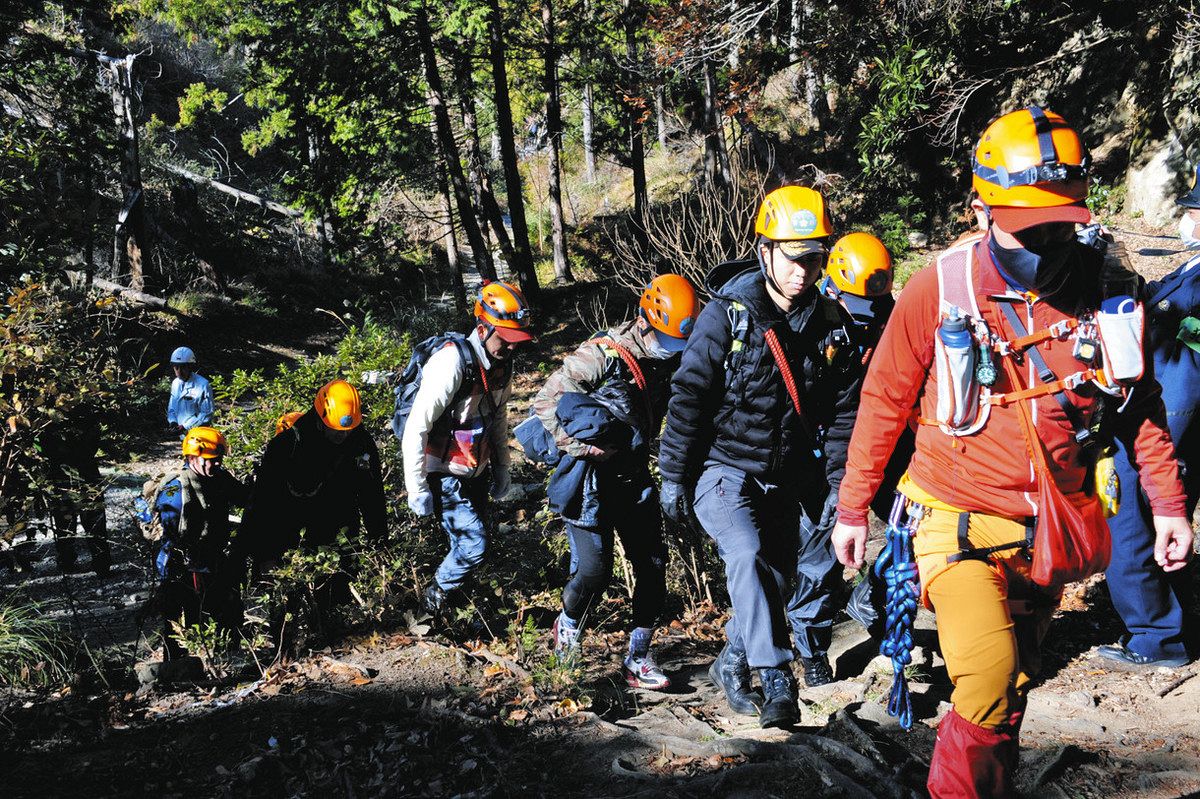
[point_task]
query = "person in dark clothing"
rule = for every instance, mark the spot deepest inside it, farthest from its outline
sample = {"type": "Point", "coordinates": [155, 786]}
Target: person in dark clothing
{"type": "Point", "coordinates": [858, 275]}
{"type": "Point", "coordinates": [78, 493]}
{"type": "Point", "coordinates": [757, 429]}
{"type": "Point", "coordinates": [1154, 603]}
{"type": "Point", "coordinates": [603, 406]}
{"type": "Point", "coordinates": [193, 506]}
{"type": "Point", "coordinates": [316, 479]}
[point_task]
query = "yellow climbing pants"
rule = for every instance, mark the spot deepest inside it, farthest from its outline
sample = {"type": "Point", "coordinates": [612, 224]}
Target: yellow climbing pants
{"type": "Point", "coordinates": [990, 617]}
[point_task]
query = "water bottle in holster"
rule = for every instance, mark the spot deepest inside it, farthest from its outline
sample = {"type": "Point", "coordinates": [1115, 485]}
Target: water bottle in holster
{"type": "Point", "coordinates": [955, 353]}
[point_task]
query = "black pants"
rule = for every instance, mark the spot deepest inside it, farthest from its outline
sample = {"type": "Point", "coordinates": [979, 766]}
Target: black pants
{"type": "Point", "coordinates": [192, 596]}
{"type": "Point", "coordinates": [80, 497]}
{"type": "Point", "coordinates": [632, 514]}
{"type": "Point", "coordinates": [95, 527]}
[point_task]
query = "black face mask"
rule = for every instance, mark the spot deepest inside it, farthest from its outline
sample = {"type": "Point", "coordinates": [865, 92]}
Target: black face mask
{"type": "Point", "coordinates": [1043, 270]}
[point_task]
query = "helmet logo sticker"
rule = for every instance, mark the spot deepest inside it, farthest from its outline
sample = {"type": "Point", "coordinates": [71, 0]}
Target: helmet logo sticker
{"type": "Point", "coordinates": [685, 327]}
{"type": "Point", "coordinates": [804, 222]}
{"type": "Point", "coordinates": [346, 421]}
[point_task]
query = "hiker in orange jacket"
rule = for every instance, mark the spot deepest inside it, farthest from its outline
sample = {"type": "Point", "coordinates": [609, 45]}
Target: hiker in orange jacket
{"type": "Point", "coordinates": [1011, 344]}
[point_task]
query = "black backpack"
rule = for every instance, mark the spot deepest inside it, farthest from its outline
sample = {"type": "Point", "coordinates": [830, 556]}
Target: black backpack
{"type": "Point", "coordinates": [410, 380]}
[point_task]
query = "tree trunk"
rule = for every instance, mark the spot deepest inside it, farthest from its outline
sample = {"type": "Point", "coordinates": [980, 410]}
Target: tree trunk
{"type": "Point", "coordinates": [588, 109]}
{"type": "Point", "coordinates": [489, 209]}
{"type": "Point", "coordinates": [806, 78]}
{"type": "Point", "coordinates": [795, 32]}
{"type": "Point", "coordinates": [449, 150]}
{"type": "Point", "coordinates": [716, 160]}
{"type": "Point", "coordinates": [449, 235]}
{"type": "Point", "coordinates": [523, 265]}
{"type": "Point", "coordinates": [325, 229]}
{"type": "Point", "coordinates": [93, 204]}
{"type": "Point", "coordinates": [562, 269]}
{"type": "Point", "coordinates": [589, 140]}
{"type": "Point", "coordinates": [660, 112]}
{"type": "Point", "coordinates": [131, 246]}
{"type": "Point", "coordinates": [637, 153]}
{"type": "Point", "coordinates": [477, 176]}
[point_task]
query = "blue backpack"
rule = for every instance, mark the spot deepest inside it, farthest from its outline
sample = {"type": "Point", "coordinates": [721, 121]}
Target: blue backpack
{"type": "Point", "coordinates": [410, 380]}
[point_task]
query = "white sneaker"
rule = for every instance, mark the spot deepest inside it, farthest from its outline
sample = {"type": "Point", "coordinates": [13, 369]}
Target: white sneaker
{"type": "Point", "coordinates": [643, 672]}
{"type": "Point", "coordinates": [566, 639]}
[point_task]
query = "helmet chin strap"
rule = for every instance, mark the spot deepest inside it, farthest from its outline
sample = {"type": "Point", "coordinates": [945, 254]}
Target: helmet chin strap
{"type": "Point", "coordinates": [490, 328]}
{"type": "Point", "coordinates": [766, 270]}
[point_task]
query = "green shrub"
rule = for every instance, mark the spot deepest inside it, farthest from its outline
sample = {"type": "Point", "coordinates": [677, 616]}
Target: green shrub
{"type": "Point", "coordinates": [1104, 200]}
{"type": "Point", "coordinates": [902, 80]}
{"type": "Point", "coordinates": [63, 371]}
{"type": "Point", "coordinates": [894, 227]}
{"type": "Point", "coordinates": [248, 403]}
{"type": "Point", "coordinates": [31, 646]}
{"type": "Point", "coordinates": [200, 304]}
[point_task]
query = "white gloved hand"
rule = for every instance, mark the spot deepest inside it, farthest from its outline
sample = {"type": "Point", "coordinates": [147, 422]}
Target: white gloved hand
{"type": "Point", "coordinates": [501, 484]}
{"type": "Point", "coordinates": [421, 503]}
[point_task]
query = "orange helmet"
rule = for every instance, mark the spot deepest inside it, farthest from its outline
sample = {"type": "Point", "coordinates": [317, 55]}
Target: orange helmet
{"type": "Point", "coordinates": [503, 308]}
{"type": "Point", "coordinates": [794, 213]}
{"type": "Point", "coordinates": [859, 264]}
{"type": "Point", "coordinates": [1030, 167]}
{"type": "Point", "coordinates": [669, 304]}
{"type": "Point", "coordinates": [339, 405]}
{"type": "Point", "coordinates": [286, 421]}
{"type": "Point", "coordinates": [206, 442]}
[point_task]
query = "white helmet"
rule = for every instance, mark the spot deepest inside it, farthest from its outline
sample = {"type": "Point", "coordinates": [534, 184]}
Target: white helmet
{"type": "Point", "coordinates": [183, 355]}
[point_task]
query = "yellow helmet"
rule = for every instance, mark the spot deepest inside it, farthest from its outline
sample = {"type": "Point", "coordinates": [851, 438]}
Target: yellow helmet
{"type": "Point", "coordinates": [205, 442]}
{"type": "Point", "coordinates": [1030, 167]}
{"type": "Point", "coordinates": [339, 405]}
{"type": "Point", "coordinates": [502, 307]}
{"type": "Point", "coordinates": [286, 421]}
{"type": "Point", "coordinates": [859, 264]}
{"type": "Point", "coordinates": [791, 213]}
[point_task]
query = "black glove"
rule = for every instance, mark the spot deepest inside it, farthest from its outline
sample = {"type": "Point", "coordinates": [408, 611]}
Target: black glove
{"type": "Point", "coordinates": [676, 502]}
{"type": "Point", "coordinates": [829, 511]}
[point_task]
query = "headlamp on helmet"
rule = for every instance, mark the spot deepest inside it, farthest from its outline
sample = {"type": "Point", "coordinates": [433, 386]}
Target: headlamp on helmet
{"type": "Point", "coordinates": [1030, 167]}
{"type": "Point", "coordinates": [502, 308]}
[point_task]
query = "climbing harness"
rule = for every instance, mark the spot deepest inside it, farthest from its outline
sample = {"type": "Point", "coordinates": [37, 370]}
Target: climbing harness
{"type": "Point", "coordinates": [897, 567]}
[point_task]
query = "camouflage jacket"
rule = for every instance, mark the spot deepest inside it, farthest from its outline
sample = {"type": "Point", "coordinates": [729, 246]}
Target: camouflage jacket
{"type": "Point", "coordinates": [594, 368]}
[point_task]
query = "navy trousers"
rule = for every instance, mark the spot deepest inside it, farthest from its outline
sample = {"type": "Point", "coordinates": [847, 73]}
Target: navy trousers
{"type": "Point", "coordinates": [756, 529]}
{"type": "Point", "coordinates": [1152, 604]}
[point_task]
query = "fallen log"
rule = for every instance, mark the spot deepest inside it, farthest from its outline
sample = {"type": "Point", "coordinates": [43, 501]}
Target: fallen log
{"type": "Point", "coordinates": [133, 295]}
{"type": "Point", "coordinates": [261, 202]}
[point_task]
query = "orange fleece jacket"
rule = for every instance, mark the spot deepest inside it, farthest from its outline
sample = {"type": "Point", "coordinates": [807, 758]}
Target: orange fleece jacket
{"type": "Point", "coordinates": [990, 471]}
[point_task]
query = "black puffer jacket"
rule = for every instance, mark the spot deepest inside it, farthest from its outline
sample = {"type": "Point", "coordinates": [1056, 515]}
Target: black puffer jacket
{"type": "Point", "coordinates": [736, 409]}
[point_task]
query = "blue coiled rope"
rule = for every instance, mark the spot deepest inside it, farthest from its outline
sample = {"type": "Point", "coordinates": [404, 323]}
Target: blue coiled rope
{"type": "Point", "coordinates": [898, 569]}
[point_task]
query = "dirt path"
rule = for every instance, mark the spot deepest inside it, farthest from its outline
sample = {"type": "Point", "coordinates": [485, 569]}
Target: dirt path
{"type": "Point", "coordinates": [408, 713]}
{"type": "Point", "coordinates": [402, 715]}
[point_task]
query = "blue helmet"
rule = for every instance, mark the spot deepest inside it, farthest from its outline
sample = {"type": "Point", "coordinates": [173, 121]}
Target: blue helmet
{"type": "Point", "coordinates": [182, 356]}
